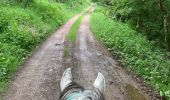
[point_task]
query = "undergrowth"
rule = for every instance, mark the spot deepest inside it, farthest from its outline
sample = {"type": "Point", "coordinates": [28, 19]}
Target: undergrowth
{"type": "Point", "coordinates": [134, 51]}
{"type": "Point", "coordinates": [23, 28]}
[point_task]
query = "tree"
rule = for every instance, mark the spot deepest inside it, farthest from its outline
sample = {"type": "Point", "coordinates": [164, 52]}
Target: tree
{"type": "Point", "coordinates": [149, 17]}
{"type": "Point", "coordinates": [165, 23]}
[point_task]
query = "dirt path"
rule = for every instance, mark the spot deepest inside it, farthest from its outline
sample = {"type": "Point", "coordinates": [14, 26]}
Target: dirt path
{"type": "Point", "coordinates": [93, 58]}
{"type": "Point", "coordinates": [40, 76]}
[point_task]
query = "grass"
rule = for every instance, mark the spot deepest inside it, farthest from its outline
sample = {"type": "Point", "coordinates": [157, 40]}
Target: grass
{"type": "Point", "coordinates": [74, 28]}
{"type": "Point", "coordinates": [134, 51]}
{"type": "Point", "coordinates": [65, 52]}
{"type": "Point", "coordinates": [22, 29]}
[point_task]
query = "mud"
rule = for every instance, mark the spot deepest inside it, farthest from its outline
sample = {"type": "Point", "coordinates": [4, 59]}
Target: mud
{"type": "Point", "coordinates": [133, 93]}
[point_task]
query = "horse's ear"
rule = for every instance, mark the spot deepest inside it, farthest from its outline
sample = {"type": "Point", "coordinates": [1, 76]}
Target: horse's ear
{"type": "Point", "coordinates": [66, 79]}
{"type": "Point", "coordinates": [100, 83]}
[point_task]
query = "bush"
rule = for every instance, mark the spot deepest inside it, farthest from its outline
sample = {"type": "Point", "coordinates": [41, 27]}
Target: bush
{"type": "Point", "coordinates": [18, 27]}
{"type": "Point", "coordinates": [134, 51]}
{"type": "Point", "coordinates": [9, 58]}
{"type": "Point", "coordinates": [49, 13]}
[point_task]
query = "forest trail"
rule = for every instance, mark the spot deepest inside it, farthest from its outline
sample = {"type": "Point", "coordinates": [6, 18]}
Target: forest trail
{"type": "Point", "coordinates": [40, 75]}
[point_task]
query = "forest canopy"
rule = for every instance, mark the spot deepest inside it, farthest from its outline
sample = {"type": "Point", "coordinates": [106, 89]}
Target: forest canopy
{"type": "Point", "coordinates": [149, 17]}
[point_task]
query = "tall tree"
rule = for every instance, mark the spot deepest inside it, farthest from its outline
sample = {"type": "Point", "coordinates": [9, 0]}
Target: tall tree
{"type": "Point", "coordinates": [145, 15]}
{"type": "Point", "coordinates": [165, 22]}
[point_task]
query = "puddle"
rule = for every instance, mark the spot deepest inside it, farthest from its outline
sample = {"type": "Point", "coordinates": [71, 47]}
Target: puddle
{"type": "Point", "coordinates": [133, 93]}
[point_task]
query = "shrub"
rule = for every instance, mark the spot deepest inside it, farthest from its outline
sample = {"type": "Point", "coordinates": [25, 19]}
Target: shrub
{"type": "Point", "coordinates": [9, 57]}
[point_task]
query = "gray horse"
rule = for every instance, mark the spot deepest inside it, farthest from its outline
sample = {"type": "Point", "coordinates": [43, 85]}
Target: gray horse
{"type": "Point", "coordinates": [72, 91]}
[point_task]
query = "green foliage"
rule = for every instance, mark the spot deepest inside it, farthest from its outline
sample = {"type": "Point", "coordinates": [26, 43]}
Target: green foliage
{"type": "Point", "coordinates": [146, 16]}
{"type": "Point", "coordinates": [21, 3]}
{"type": "Point", "coordinates": [23, 28]}
{"type": "Point", "coordinates": [50, 13]}
{"type": "Point", "coordinates": [26, 27]}
{"type": "Point", "coordinates": [74, 2]}
{"type": "Point", "coordinates": [134, 51]}
{"type": "Point", "coordinates": [66, 52]}
{"type": "Point", "coordinates": [9, 57]}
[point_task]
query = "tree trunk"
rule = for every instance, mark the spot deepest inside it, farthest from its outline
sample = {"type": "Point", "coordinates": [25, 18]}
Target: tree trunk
{"type": "Point", "coordinates": [138, 24]}
{"type": "Point", "coordinates": [165, 23]}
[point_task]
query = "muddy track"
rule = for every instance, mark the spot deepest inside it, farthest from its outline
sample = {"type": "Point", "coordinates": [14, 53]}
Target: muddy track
{"type": "Point", "coordinates": [39, 77]}
{"type": "Point", "coordinates": [89, 58]}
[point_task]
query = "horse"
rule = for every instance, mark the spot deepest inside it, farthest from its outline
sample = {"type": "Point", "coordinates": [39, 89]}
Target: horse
{"type": "Point", "coordinates": [70, 90]}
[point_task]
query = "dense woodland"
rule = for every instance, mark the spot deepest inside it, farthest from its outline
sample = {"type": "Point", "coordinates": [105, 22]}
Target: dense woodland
{"type": "Point", "coordinates": [149, 17]}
